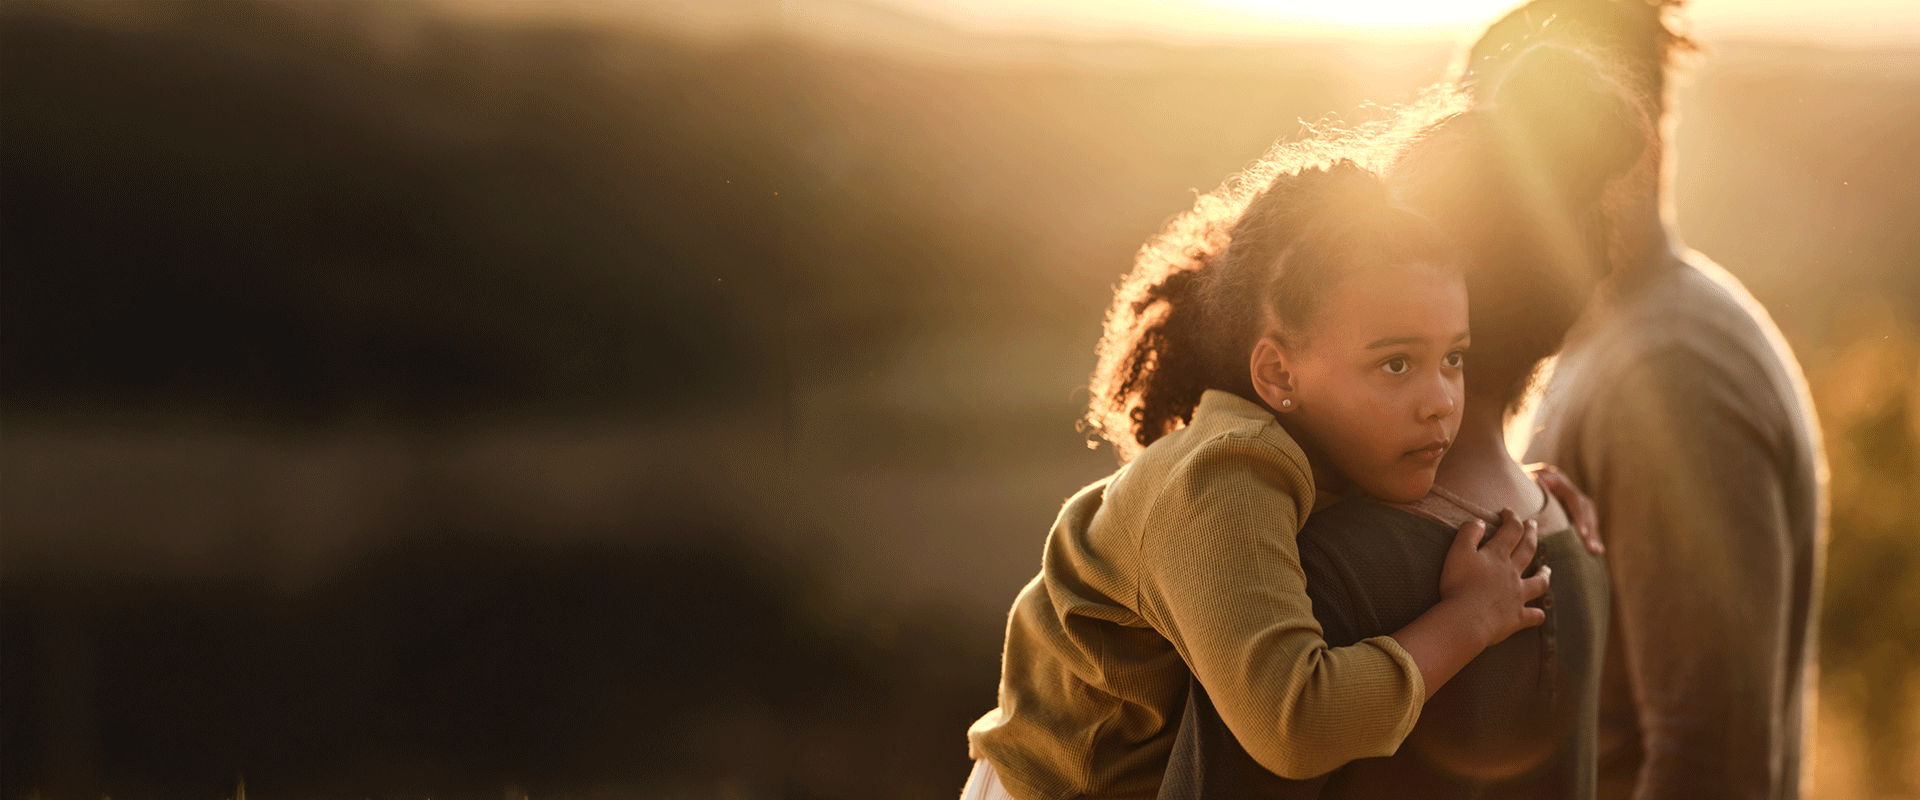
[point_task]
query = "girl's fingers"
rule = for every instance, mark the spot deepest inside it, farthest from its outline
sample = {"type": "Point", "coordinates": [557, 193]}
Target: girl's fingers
{"type": "Point", "coordinates": [1532, 588]}
{"type": "Point", "coordinates": [1529, 543]}
{"type": "Point", "coordinates": [1508, 537]}
{"type": "Point", "coordinates": [1531, 616]}
{"type": "Point", "coordinates": [1468, 539]}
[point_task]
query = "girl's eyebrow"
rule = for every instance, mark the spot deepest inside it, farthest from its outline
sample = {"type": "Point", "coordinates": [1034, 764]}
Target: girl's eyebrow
{"type": "Point", "coordinates": [1396, 341]}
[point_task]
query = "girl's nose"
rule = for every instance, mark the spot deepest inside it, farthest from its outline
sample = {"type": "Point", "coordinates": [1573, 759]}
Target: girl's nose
{"type": "Point", "coordinates": [1441, 399]}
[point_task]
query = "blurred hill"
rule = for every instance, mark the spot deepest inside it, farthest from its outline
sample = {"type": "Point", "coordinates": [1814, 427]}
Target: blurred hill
{"type": "Point", "coordinates": [407, 398]}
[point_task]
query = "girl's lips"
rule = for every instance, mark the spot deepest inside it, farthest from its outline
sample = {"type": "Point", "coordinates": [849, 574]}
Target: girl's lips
{"type": "Point", "coordinates": [1431, 452]}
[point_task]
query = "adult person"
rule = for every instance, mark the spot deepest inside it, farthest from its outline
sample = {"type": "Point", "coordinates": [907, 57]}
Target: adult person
{"type": "Point", "coordinates": [1679, 407]}
{"type": "Point", "coordinates": [1519, 721]}
{"type": "Point", "coordinates": [1342, 317]}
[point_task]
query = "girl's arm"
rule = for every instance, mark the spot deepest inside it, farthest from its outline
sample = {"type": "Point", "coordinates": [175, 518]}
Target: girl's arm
{"type": "Point", "coordinates": [1219, 575]}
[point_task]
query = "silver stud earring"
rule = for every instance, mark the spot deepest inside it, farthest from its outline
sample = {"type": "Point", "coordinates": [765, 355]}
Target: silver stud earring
{"type": "Point", "coordinates": [1286, 402]}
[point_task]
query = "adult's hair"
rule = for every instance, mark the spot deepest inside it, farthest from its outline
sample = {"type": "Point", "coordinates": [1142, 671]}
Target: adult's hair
{"type": "Point", "coordinates": [1522, 182]}
{"type": "Point", "coordinates": [1186, 319]}
{"type": "Point", "coordinates": [1638, 35]}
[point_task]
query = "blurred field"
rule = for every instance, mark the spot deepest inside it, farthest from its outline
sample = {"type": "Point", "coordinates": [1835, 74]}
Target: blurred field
{"type": "Point", "coordinates": [416, 400]}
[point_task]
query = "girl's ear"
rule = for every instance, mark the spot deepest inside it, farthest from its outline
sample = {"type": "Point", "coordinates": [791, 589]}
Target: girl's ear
{"type": "Point", "coordinates": [1273, 374]}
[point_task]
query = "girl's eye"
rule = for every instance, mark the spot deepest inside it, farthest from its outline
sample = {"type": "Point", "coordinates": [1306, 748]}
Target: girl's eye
{"type": "Point", "coordinates": [1395, 366]}
{"type": "Point", "coordinates": [1455, 359]}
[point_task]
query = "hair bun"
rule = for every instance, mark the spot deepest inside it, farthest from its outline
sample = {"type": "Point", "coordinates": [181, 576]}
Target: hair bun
{"type": "Point", "coordinates": [1568, 117]}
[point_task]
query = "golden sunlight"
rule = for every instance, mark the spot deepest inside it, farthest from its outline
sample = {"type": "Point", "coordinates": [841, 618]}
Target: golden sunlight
{"type": "Point", "coordinates": [1834, 22]}
{"type": "Point", "coordinates": [1371, 13]}
{"type": "Point", "coordinates": [1213, 20]}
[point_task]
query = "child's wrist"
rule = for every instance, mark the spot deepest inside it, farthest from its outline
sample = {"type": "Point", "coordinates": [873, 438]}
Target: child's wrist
{"type": "Point", "coordinates": [1470, 619]}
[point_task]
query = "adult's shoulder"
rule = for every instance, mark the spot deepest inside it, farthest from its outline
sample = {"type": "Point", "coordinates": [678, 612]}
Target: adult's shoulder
{"type": "Point", "coordinates": [1362, 517]}
{"type": "Point", "coordinates": [1697, 310]}
{"type": "Point", "coordinates": [1691, 330]}
{"type": "Point", "coordinates": [1359, 529]}
{"type": "Point", "coordinates": [1370, 568]}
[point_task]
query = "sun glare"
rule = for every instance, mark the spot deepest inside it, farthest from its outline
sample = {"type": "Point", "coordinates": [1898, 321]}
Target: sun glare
{"type": "Point", "coordinates": [1840, 21]}
{"type": "Point", "coordinates": [1217, 20]}
{"type": "Point", "coordinates": [1381, 14]}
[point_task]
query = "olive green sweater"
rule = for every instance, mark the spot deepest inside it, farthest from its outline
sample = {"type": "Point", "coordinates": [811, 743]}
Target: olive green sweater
{"type": "Point", "coordinates": [1516, 724]}
{"type": "Point", "coordinates": [1184, 564]}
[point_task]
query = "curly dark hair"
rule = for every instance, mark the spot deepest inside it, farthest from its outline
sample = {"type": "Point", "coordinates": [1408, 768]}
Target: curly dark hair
{"type": "Point", "coordinates": [1186, 319]}
{"type": "Point", "coordinates": [1516, 191]}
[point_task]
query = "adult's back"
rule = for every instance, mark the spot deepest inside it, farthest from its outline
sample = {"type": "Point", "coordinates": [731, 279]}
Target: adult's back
{"type": "Point", "coordinates": [1679, 407]}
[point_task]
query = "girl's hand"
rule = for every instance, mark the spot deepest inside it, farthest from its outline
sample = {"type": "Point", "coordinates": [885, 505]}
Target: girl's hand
{"type": "Point", "coordinates": [1585, 520]}
{"type": "Point", "coordinates": [1483, 577]}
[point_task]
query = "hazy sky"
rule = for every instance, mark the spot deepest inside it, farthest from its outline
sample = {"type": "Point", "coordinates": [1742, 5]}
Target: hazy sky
{"type": "Point", "coordinates": [1837, 22]}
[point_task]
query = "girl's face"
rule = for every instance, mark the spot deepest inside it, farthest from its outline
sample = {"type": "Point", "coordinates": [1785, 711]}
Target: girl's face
{"type": "Point", "coordinates": [1378, 381]}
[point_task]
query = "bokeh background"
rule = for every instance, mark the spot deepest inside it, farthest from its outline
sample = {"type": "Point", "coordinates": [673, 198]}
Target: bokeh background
{"type": "Point", "coordinates": [666, 399]}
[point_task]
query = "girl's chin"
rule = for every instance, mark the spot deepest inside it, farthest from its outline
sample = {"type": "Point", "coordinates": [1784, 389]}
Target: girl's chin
{"type": "Point", "coordinates": [1404, 491]}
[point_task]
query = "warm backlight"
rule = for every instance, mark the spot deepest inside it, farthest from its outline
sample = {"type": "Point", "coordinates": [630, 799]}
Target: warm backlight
{"type": "Point", "coordinates": [1832, 21]}
{"type": "Point", "coordinates": [1218, 20]}
{"type": "Point", "coordinates": [1369, 13]}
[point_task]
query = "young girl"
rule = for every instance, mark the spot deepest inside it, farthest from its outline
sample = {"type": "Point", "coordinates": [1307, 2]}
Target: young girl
{"type": "Point", "coordinates": [1319, 352]}
{"type": "Point", "coordinates": [1519, 183]}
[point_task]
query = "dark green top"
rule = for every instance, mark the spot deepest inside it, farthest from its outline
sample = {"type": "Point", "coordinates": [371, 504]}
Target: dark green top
{"type": "Point", "coordinates": [1516, 722]}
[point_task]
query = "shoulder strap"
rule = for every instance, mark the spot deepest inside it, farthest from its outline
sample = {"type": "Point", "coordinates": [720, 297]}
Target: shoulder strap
{"type": "Point", "coordinates": [1445, 507]}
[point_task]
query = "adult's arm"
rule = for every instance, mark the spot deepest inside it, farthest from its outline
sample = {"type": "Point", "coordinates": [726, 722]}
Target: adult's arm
{"type": "Point", "coordinates": [1221, 579]}
{"type": "Point", "coordinates": [1692, 503]}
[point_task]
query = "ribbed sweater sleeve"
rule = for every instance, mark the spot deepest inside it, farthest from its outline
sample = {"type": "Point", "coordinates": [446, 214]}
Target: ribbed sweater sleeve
{"type": "Point", "coordinates": [1219, 575]}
